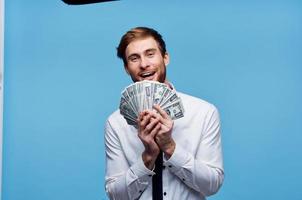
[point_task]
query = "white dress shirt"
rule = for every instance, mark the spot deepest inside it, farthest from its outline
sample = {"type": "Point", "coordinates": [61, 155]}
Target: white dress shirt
{"type": "Point", "coordinates": [194, 171]}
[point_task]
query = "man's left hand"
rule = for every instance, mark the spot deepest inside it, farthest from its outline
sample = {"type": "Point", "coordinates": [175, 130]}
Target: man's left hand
{"type": "Point", "coordinates": [164, 136]}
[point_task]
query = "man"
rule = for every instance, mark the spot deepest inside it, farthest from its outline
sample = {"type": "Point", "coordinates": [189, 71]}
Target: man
{"type": "Point", "coordinates": [191, 146]}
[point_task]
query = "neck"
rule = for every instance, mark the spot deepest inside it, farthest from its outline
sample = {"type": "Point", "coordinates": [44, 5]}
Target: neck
{"type": "Point", "coordinates": [168, 84]}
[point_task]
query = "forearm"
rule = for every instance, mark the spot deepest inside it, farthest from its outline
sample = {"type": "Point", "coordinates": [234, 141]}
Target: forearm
{"type": "Point", "coordinates": [203, 177]}
{"type": "Point", "coordinates": [131, 184]}
{"type": "Point", "coordinates": [116, 188]}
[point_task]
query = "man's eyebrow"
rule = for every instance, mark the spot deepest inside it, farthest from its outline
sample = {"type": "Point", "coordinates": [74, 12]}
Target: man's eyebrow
{"type": "Point", "coordinates": [150, 50]}
{"type": "Point", "coordinates": [137, 55]}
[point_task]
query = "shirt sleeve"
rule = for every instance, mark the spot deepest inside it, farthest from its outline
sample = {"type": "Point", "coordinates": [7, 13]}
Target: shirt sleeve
{"type": "Point", "coordinates": [204, 171]}
{"type": "Point", "coordinates": [121, 180]}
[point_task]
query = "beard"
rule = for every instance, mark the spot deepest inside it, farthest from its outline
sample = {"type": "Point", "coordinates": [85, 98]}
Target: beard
{"type": "Point", "coordinates": [160, 78]}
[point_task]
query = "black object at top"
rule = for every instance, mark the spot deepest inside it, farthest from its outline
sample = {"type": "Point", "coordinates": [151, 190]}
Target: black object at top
{"type": "Point", "coordinates": [80, 2]}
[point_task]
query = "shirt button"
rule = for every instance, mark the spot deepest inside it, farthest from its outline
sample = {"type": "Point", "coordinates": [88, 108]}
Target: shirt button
{"type": "Point", "coordinates": [165, 193]}
{"type": "Point", "coordinates": [170, 166]}
{"type": "Point", "coordinates": [164, 167]}
{"type": "Point", "coordinates": [140, 191]}
{"type": "Point", "coordinates": [149, 175]}
{"type": "Point", "coordinates": [183, 179]}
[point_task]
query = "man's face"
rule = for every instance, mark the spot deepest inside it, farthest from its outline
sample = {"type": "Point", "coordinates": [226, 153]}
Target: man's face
{"type": "Point", "coordinates": [145, 61]}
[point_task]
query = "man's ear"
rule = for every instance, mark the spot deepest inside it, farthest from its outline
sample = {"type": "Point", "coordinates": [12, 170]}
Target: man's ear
{"type": "Point", "coordinates": [126, 69]}
{"type": "Point", "coordinates": [166, 59]}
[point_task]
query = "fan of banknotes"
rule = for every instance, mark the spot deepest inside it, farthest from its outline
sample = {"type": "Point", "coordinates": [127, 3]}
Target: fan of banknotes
{"type": "Point", "coordinates": [143, 95]}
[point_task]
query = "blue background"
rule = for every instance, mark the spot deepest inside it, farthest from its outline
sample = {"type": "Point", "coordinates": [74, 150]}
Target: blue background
{"type": "Point", "coordinates": [62, 80]}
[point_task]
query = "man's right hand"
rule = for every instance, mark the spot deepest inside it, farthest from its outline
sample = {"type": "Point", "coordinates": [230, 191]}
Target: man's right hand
{"type": "Point", "coordinates": [148, 127]}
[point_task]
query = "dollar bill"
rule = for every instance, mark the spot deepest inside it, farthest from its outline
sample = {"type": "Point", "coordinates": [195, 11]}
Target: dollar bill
{"type": "Point", "coordinates": [158, 92]}
{"type": "Point", "coordinates": [174, 110]}
{"type": "Point", "coordinates": [143, 95]}
{"type": "Point", "coordinates": [126, 110]}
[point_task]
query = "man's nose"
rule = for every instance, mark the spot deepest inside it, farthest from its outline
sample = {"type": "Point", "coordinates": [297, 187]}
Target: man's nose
{"type": "Point", "coordinates": [144, 63]}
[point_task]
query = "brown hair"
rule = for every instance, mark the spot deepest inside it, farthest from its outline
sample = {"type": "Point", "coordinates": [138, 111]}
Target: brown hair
{"type": "Point", "coordinates": [139, 33]}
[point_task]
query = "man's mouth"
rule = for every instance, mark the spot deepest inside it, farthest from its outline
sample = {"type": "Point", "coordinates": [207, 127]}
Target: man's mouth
{"type": "Point", "coordinates": [146, 75]}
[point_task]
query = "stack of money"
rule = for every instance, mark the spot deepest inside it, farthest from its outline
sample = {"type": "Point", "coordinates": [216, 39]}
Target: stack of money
{"type": "Point", "coordinates": [142, 95]}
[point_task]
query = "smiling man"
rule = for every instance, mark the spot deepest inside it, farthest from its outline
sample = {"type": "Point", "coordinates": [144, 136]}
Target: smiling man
{"type": "Point", "coordinates": [184, 155]}
{"type": "Point", "coordinates": [145, 60]}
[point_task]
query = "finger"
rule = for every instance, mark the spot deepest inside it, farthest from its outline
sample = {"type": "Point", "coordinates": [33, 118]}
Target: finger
{"type": "Point", "coordinates": [155, 130]}
{"type": "Point", "coordinates": [142, 114]}
{"type": "Point", "coordinates": [156, 115]}
{"type": "Point", "coordinates": [140, 117]}
{"type": "Point", "coordinates": [152, 123]}
{"type": "Point", "coordinates": [145, 120]}
{"type": "Point", "coordinates": [161, 111]}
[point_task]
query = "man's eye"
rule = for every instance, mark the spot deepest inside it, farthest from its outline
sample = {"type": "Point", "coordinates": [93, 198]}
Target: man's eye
{"type": "Point", "coordinates": [150, 54]}
{"type": "Point", "coordinates": [133, 59]}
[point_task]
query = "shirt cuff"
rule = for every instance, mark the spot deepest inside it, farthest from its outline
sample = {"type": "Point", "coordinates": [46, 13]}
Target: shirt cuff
{"type": "Point", "coordinates": [178, 160]}
{"type": "Point", "coordinates": [140, 170]}
{"type": "Point", "coordinates": [138, 178]}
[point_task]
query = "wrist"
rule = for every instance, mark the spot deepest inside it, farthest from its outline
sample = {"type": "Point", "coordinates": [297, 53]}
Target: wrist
{"type": "Point", "coordinates": [169, 150]}
{"type": "Point", "coordinates": [149, 160]}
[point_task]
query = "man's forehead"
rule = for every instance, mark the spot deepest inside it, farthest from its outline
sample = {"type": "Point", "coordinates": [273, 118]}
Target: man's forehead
{"type": "Point", "coordinates": [141, 45]}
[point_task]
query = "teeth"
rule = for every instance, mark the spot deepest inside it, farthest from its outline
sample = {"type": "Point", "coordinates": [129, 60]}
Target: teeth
{"type": "Point", "coordinates": [146, 74]}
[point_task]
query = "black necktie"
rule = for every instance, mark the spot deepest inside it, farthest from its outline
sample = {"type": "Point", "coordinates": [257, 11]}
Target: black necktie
{"type": "Point", "coordinates": [157, 180]}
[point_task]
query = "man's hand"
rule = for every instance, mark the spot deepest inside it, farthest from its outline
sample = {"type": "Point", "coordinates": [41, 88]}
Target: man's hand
{"type": "Point", "coordinates": [164, 136]}
{"type": "Point", "coordinates": [148, 127]}
{"type": "Point", "coordinates": [155, 132]}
